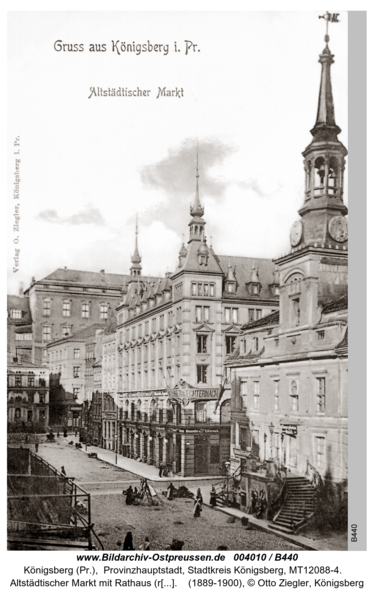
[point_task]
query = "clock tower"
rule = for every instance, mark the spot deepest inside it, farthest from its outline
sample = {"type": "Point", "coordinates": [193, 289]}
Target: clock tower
{"type": "Point", "coordinates": [315, 270]}
{"type": "Point", "coordinates": [323, 212]}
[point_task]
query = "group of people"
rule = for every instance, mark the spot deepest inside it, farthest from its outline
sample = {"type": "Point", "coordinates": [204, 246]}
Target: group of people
{"type": "Point", "coordinates": [131, 495]}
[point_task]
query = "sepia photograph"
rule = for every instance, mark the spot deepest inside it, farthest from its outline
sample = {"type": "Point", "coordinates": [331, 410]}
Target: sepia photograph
{"type": "Point", "coordinates": [177, 308]}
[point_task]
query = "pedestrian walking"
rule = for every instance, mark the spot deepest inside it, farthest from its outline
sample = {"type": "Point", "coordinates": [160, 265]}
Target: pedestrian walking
{"type": "Point", "coordinates": [197, 507]}
{"type": "Point", "coordinates": [127, 544]}
{"type": "Point", "coordinates": [63, 471]}
{"type": "Point", "coordinates": [199, 495]}
{"type": "Point", "coordinates": [213, 497]}
{"type": "Point", "coordinates": [36, 446]}
{"type": "Point", "coordinates": [161, 469]}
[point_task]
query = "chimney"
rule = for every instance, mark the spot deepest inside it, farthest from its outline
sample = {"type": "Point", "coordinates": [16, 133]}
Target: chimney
{"type": "Point", "coordinates": [20, 293]}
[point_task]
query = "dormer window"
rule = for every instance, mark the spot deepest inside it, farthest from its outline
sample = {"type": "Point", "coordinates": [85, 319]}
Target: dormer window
{"type": "Point", "coordinates": [203, 260]}
{"type": "Point", "coordinates": [231, 288]}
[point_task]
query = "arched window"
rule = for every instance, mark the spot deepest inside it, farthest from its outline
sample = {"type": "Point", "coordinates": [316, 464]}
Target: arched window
{"type": "Point", "coordinates": [333, 183]}
{"type": "Point", "coordinates": [320, 174]}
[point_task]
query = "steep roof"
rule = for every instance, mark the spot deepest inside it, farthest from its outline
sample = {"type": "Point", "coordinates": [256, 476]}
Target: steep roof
{"type": "Point", "coordinates": [19, 303]}
{"type": "Point", "coordinates": [89, 278]}
{"type": "Point", "coordinates": [191, 261]}
{"type": "Point", "coordinates": [336, 305]}
{"type": "Point", "coordinates": [272, 319]}
{"type": "Point", "coordinates": [82, 335]}
{"type": "Point", "coordinates": [243, 270]}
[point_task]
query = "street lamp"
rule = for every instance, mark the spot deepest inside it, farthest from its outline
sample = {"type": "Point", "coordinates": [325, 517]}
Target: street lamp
{"type": "Point", "coordinates": [227, 465]}
{"type": "Point", "coordinates": [271, 429]}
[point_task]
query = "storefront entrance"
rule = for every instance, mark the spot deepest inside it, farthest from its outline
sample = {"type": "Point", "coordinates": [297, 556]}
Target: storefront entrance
{"type": "Point", "coordinates": [201, 454]}
{"type": "Point", "coordinates": [290, 451]}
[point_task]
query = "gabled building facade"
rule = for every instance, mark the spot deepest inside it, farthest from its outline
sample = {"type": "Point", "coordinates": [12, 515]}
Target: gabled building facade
{"type": "Point", "coordinates": [175, 333]}
{"type": "Point", "coordinates": [27, 395]}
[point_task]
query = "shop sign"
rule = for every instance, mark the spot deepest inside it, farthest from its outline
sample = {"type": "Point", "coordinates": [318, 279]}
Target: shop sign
{"type": "Point", "coordinates": [185, 394]}
{"type": "Point", "coordinates": [109, 415]}
{"type": "Point", "coordinates": [289, 429]}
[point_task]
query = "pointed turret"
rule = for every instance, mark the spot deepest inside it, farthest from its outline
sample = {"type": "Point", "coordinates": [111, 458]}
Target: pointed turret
{"type": "Point", "coordinates": [323, 209]}
{"type": "Point", "coordinates": [136, 259]}
{"type": "Point", "coordinates": [197, 223]}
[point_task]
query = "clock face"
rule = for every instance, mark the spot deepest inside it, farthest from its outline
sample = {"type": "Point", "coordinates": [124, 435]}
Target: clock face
{"type": "Point", "coordinates": [338, 228]}
{"type": "Point", "coordinates": [296, 233]}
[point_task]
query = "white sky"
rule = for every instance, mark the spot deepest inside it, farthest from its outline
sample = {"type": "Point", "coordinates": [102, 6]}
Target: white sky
{"type": "Point", "coordinates": [250, 97]}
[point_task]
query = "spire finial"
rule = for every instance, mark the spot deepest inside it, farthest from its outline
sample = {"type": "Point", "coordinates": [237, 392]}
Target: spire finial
{"type": "Point", "coordinates": [197, 209]}
{"type": "Point", "coordinates": [136, 258]}
{"type": "Point", "coordinates": [329, 18]}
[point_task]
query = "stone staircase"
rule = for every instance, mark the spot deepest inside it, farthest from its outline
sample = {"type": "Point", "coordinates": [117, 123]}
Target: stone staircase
{"type": "Point", "coordinates": [298, 506]}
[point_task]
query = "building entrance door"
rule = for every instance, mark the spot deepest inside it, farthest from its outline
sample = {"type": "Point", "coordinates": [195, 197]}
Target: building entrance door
{"type": "Point", "coordinates": [201, 455]}
{"type": "Point", "coordinates": [291, 452]}
{"type": "Point", "coordinates": [160, 448]}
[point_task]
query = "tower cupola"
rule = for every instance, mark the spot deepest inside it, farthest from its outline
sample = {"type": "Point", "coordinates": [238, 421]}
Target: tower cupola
{"type": "Point", "coordinates": [136, 259]}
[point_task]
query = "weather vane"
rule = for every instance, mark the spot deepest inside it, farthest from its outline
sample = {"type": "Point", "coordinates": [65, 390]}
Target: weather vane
{"type": "Point", "coordinates": [329, 18]}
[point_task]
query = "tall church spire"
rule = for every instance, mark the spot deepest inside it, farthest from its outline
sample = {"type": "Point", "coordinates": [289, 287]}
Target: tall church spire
{"type": "Point", "coordinates": [197, 223]}
{"type": "Point", "coordinates": [324, 162]}
{"type": "Point", "coordinates": [197, 210]}
{"type": "Point", "coordinates": [136, 258]}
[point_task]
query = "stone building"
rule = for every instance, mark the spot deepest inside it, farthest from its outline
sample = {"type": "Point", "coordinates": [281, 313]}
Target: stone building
{"type": "Point", "coordinates": [27, 395]}
{"type": "Point", "coordinates": [173, 336]}
{"type": "Point", "coordinates": [19, 326]}
{"type": "Point", "coordinates": [67, 301]}
{"type": "Point", "coordinates": [67, 362]}
{"type": "Point", "coordinates": [289, 373]}
{"type": "Point", "coordinates": [110, 409]}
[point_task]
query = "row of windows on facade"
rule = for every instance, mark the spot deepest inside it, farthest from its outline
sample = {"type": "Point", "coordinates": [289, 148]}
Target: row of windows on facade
{"type": "Point", "coordinates": [272, 445]}
{"type": "Point", "coordinates": [30, 380]}
{"type": "Point", "coordinates": [293, 395]}
{"type": "Point", "coordinates": [67, 308]}
{"type": "Point", "coordinates": [31, 398]}
{"type": "Point", "coordinates": [172, 373]}
{"type": "Point", "coordinates": [30, 415]}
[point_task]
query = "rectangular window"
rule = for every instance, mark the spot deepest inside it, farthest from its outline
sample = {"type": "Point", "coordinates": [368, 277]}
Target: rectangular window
{"type": "Point", "coordinates": [85, 310]}
{"type": "Point", "coordinates": [243, 438]}
{"type": "Point", "coordinates": [103, 311]}
{"type": "Point", "coordinates": [258, 313]}
{"type": "Point", "coordinates": [154, 325]}
{"type": "Point", "coordinates": [243, 346]}
{"type": "Point", "coordinates": [296, 311]}
{"type": "Point", "coordinates": [76, 371]}
{"type": "Point", "coordinates": [193, 289]}
{"type": "Point", "coordinates": [276, 395]}
{"type": "Point", "coordinates": [76, 393]}
{"type": "Point", "coordinates": [230, 343]}
{"type": "Point", "coordinates": [276, 342]}
{"type": "Point", "coordinates": [231, 288]}
{"type": "Point", "coordinates": [255, 344]}
{"type": "Point", "coordinates": [235, 315]}
{"type": "Point", "coordinates": [30, 381]}
{"type": "Point", "coordinates": [202, 373]}
{"type": "Point", "coordinates": [320, 452]}
{"type": "Point", "coordinates": [256, 395]}
{"type": "Point", "coordinates": [202, 346]}
{"type": "Point", "coordinates": [200, 289]}
{"type": "Point", "coordinates": [162, 320]}
{"type": "Point", "coordinates": [251, 315]}
{"type": "Point", "coordinates": [77, 353]}
{"type": "Point", "coordinates": [206, 314]}
{"type": "Point", "coordinates": [66, 308]}
{"type": "Point", "coordinates": [321, 335]}
{"type": "Point", "coordinates": [206, 289]}
{"type": "Point", "coordinates": [199, 314]}
{"type": "Point", "coordinates": [243, 387]}
{"type": "Point", "coordinates": [212, 289]}
{"type": "Point", "coordinates": [227, 315]}
{"type": "Point", "coordinates": [146, 327]}
{"type": "Point", "coordinates": [255, 442]}
{"type": "Point", "coordinates": [46, 308]}
{"type": "Point", "coordinates": [16, 314]}
{"type": "Point", "coordinates": [321, 394]}
{"type": "Point", "coordinates": [294, 403]}
{"type": "Point", "coordinates": [200, 412]}
{"type": "Point", "coordinates": [46, 333]}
